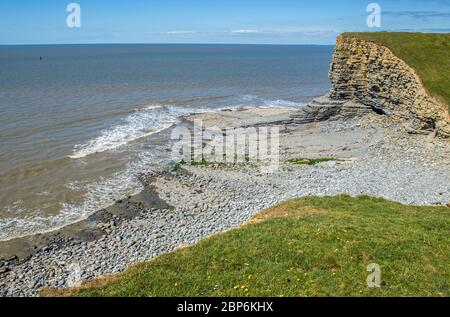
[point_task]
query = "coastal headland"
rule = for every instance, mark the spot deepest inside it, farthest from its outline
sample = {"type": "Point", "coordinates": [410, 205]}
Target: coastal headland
{"type": "Point", "coordinates": [379, 132]}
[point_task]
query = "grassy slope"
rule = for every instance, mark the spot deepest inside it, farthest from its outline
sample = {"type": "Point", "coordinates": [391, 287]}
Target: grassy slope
{"type": "Point", "coordinates": [428, 54]}
{"type": "Point", "coordinates": [305, 247]}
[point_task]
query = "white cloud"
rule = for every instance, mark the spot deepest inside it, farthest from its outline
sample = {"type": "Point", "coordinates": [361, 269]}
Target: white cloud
{"type": "Point", "coordinates": [244, 31]}
{"type": "Point", "coordinates": [180, 32]}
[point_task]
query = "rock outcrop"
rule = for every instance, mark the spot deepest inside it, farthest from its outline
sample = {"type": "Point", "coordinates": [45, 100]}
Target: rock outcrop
{"type": "Point", "coordinates": [324, 108]}
{"type": "Point", "coordinates": [372, 75]}
{"type": "Point", "coordinates": [368, 77]}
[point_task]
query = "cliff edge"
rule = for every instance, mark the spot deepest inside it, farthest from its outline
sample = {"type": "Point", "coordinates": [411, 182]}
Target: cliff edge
{"type": "Point", "coordinates": [369, 73]}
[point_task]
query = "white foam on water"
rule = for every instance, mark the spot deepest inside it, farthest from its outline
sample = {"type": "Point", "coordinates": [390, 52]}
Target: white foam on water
{"type": "Point", "coordinates": [140, 124]}
{"type": "Point", "coordinates": [253, 101]}
{"type": "Point", "coordinates": [155, 118]}
{"type": "Point", "coordinates": [147, 108]}
{"type": "Point", "coordinates": [99, 195]}
{"type": "Point", "coordinates": [280, 103]}
{"type": "Point", "coordinates": [16, 208]}
{"type": "Point", "coordinates": [103, 193]}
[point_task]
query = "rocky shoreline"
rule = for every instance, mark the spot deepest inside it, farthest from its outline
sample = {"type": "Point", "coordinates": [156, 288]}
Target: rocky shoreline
{"type": "Point", "coordinates": [179, 207]}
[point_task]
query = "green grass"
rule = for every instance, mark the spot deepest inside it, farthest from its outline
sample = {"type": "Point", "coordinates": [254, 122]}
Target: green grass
{"type": "Point", "coordinates": [428, 54]}
{"type": "Point", "coordinates": [311, 161]}
{"type": "Point", "coordinates": [305, 247]}
{"type": "Point", "coordinates": [205, 162]}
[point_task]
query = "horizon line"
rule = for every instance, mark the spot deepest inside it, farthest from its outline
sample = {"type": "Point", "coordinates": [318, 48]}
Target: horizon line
{"type": "Point", "coordinates": [175, 43]}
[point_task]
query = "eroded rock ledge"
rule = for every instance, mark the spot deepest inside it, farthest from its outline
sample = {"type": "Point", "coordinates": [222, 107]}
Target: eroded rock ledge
{"type": "Point", "coordinates": [367, 77]}
{"type": "Point", "coordinates": [324, 108]}
{"type": "Point", "coordinates": [372, 75]}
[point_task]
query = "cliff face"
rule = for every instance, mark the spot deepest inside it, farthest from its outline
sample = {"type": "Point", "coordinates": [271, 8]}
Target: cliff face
{"type": "Point", "coordinates": [371, 74]}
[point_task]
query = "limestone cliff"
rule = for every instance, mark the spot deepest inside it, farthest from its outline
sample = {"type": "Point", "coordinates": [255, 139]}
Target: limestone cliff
{"type": "Point", "coordinates": [372, 75]}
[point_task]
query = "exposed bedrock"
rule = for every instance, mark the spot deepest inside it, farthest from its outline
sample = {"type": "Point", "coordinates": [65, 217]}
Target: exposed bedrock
{"type": "Point", "coordinates": [368, 77]}
{"type": "Point", "coordinates": [324, 108]}
{"type": "Point", "coordinates": [372, 75]}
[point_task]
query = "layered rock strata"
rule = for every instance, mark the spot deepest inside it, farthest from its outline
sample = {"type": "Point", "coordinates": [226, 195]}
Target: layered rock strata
{"type": "Point", "coordinates": [373, 75]}
{"type": "Point", "coordinates": [324, 108]}
{"type": "Point", "coordinates": [368, 77]}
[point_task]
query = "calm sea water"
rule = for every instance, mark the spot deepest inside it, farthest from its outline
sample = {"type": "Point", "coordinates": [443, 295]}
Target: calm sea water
{"type": "Point", "coordinates": [78, 123]}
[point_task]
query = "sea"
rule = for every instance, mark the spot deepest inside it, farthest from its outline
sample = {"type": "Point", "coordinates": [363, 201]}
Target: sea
{"type": "Point", "coordinates": [79, 123]}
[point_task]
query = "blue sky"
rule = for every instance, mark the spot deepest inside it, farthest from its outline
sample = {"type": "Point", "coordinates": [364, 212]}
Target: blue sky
{"type": "Point", "coordinates": [211, 21]}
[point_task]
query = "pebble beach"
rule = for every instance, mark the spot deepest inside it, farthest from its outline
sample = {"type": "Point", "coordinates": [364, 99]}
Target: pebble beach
{"type": "Point", "coordinates": [179, 207]}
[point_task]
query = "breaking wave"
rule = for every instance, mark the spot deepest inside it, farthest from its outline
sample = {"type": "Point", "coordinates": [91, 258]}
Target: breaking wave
{"type": "Point", "coordinates": [141, 123]}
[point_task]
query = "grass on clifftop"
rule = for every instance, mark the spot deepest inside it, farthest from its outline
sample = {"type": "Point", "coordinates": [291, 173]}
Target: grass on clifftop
{"type": "Point", "coordinates": [305, 247]}
{"type": "Point", "coordinates": [428, 54]}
